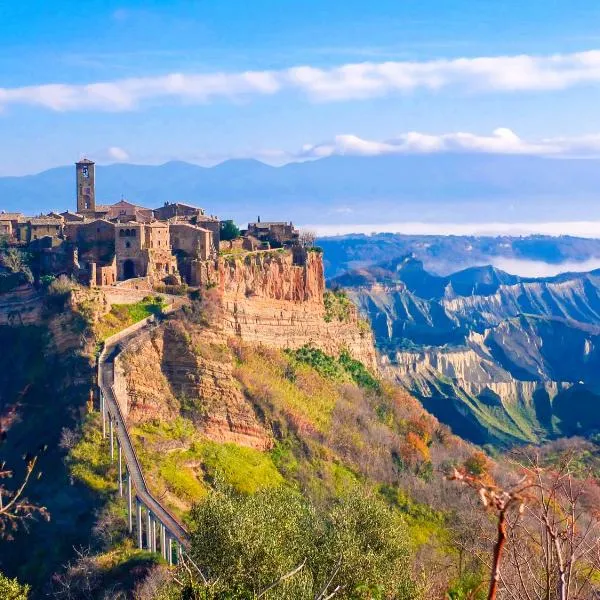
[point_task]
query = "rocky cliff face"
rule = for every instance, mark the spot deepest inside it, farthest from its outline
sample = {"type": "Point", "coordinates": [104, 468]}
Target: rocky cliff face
{"type": "Point", "coordinates": [22, 306]}
{"type": "Point", "coordinates": [271, 298]}
{"type": "Point", "coordinates": [497, 357]}
{"type": "Point", "coordinates": [479, 398]}
{"type": "Point", "coordinates": [183, 371]}
{"type": "Point", "coordinates": [276, 298]}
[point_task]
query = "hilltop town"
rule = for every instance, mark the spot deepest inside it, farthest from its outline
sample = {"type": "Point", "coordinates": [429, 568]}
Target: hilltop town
{"type": "Point", "coordinates": [105, 244]}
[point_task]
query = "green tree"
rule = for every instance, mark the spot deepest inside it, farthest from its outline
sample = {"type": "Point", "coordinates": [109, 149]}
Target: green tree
{"type": "Point", "coordinates": [11, 589]}
{"type": "Point", "coordinates": [275, 544]}
{"type": "Point", "coordinates": [246, 543]}
{"type": "Point", "coordinates": [369, 542]}
{"type": "Point", "coordinates": [16, 261]}
{"type": "Point", "coordinates": [229, 230]}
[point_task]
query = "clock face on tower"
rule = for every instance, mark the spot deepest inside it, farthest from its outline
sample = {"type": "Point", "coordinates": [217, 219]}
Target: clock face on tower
{"type": "Point", "coordinates": [85, 172]}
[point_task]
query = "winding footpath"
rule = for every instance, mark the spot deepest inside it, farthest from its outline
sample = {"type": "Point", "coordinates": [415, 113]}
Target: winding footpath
{"type": "Point", "coordinates": [160, 523]}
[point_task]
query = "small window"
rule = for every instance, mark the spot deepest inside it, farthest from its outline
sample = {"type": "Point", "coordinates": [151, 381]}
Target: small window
{"type": "Point", "coordinates": [133, 233]}
{"type": "Point", "coordinates": [127, 244]}
{"type": "Point", "coordinates": [122, 233]}
{"type": "Point", "coordinates": [97, 229]}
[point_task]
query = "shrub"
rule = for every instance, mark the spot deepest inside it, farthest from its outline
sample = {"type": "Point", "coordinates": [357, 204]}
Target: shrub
{"type": "Point", "coordinates": [58, 292]}
{"type": "Point", "coordinates": [337, 306]}
{"type": "Point", "coordinates": [359, 372]}
{"type": "Point", "coordinates": [17, 261]}
{"type": "Point", "coordinates": [247, 543]}
{"type": "Point", "coordinates": [229, 230]}
{"type": "Point", "coordinates": [60, 287]}
{"type": "Point", "coordinates": [11, 589]}
{"type": "Point", "coordinates": [345, 368]}
{"type": "Point", "coordinates": [323, 363]}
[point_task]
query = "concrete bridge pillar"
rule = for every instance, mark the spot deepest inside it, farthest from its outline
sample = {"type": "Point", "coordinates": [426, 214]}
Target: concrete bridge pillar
{"type": "Point", "coordinates": [149, 530]}
{"type": "Point", "coordinates": [170, 551]}
{"type": "Point", "coordinates": [103, 409]}
{"type": "Point", "coordinates": [140, 531]}
{"type": "Point", "coordinates": [160, 538]}
{"type": "Point", "coordinates": [120, 469]}
{"type": "Point", "coordinates": [153, 534]}
{"type": "Point", "coordinates": [129, 503]}
{"type": "Point", "coordinates": [112, 438]}
{"type": "Point", "coordinates": [163, 541]}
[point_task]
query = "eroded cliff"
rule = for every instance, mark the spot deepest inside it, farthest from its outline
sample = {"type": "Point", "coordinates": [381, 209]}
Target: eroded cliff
{"type": "Point", "coordinates": [499, 358]}
{"type": "Point", "coordinates": [180, 369]}
{"type": "Point", "coordinates": [276, 298]}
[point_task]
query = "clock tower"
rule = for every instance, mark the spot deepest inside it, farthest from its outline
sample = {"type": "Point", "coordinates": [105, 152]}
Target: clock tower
{"type": "Point", "coordinates": [86, 193]}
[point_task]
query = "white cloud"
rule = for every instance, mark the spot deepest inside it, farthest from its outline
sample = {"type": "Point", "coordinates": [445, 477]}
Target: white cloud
{"type": "Point", "coordinates": [118, 154]}
{"type": "Point", "coordinates": [538, 268]}
{"type": "Point", "coordinates": [126, 94]}
{"type": "Point", "coordinates": [345, 82]}
{"type": "Point", "coordinates": [501, 141]}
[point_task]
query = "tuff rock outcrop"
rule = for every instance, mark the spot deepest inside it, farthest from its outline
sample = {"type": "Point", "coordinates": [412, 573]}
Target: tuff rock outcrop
{"type": "Point", "coordinates": [270, 298]}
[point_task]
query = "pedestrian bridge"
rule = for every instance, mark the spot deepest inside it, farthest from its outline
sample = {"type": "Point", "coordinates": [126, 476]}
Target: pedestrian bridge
{"type": "Point", "coordinates": [154, 527]}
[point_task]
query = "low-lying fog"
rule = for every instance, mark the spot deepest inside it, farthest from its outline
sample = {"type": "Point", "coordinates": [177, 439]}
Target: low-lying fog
{"type": "Point", "coordinates": [585, 229]}
{"type": "Point", "coordinates": [534, 268]}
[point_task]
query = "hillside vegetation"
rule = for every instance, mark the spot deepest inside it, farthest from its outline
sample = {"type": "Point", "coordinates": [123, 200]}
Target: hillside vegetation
{"type": "Point", "coordinates": [336, 429]}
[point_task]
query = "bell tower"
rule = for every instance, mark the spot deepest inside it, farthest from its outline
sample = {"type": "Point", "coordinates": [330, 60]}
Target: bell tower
{"type": "Point", "coordinates": [86, 192]}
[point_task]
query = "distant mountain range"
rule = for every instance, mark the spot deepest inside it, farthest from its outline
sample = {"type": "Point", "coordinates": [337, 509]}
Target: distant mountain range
{"type": "Point", "coordinates": [446, 254]}
{"type": "Point", "coordinates": [500, 358]}
{"type": "Point", "coordinates": [340, 189]}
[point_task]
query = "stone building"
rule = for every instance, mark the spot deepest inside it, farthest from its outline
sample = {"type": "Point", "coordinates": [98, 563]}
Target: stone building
{"type": "Point", "coordinates": [144, 250]}
{"type": "Point", "coordinates": [9, 223]}
{"type": "Point", "coordinates": [274, 233]}
{"type": "Point", "coordinates": [177, 212]}
{"type": "Point", "coordinates": [104, 244]}
{"type": "Point", "coordinates": [171, 210]}
{"type": "Point", "coordinates": [192, 240]}
{"type": "Point", "coordinates": [38, 227]}
{"type": "Point", "coordinates": [126, 211]}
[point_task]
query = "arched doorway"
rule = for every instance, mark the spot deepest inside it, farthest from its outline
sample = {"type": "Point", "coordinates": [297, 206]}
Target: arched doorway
{"type": "Point", "coordinates": [128, 269]}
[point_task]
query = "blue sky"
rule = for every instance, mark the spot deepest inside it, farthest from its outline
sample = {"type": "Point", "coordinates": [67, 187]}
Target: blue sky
{"type": "Point", "coordinates": [151, 81]}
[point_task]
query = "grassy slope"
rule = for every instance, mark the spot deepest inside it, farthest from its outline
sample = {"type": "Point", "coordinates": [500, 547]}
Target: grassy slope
{"type": "Point", "coordinates": [122, 316]}
{"type": "Point", "coordinates": [330, 434]}
{"type": "Point", "coordinates": [334, 427]}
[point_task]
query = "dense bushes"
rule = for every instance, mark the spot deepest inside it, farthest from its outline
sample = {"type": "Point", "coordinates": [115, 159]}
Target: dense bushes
{"type": "Point", "coordinates": [229, 230]}
{"type": "Point", "coordinates": [246, 543]}
{"type": "Point", "coordinates": [14, 269]}
{"type": "Point", "coordinates": [337, 306]}
{"type": "Point", "coordinates": [58, 291]}
{"type": "Point", "coordinates": [11, 589]}
{"type": "Point", "coordinates": [344, 368]}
